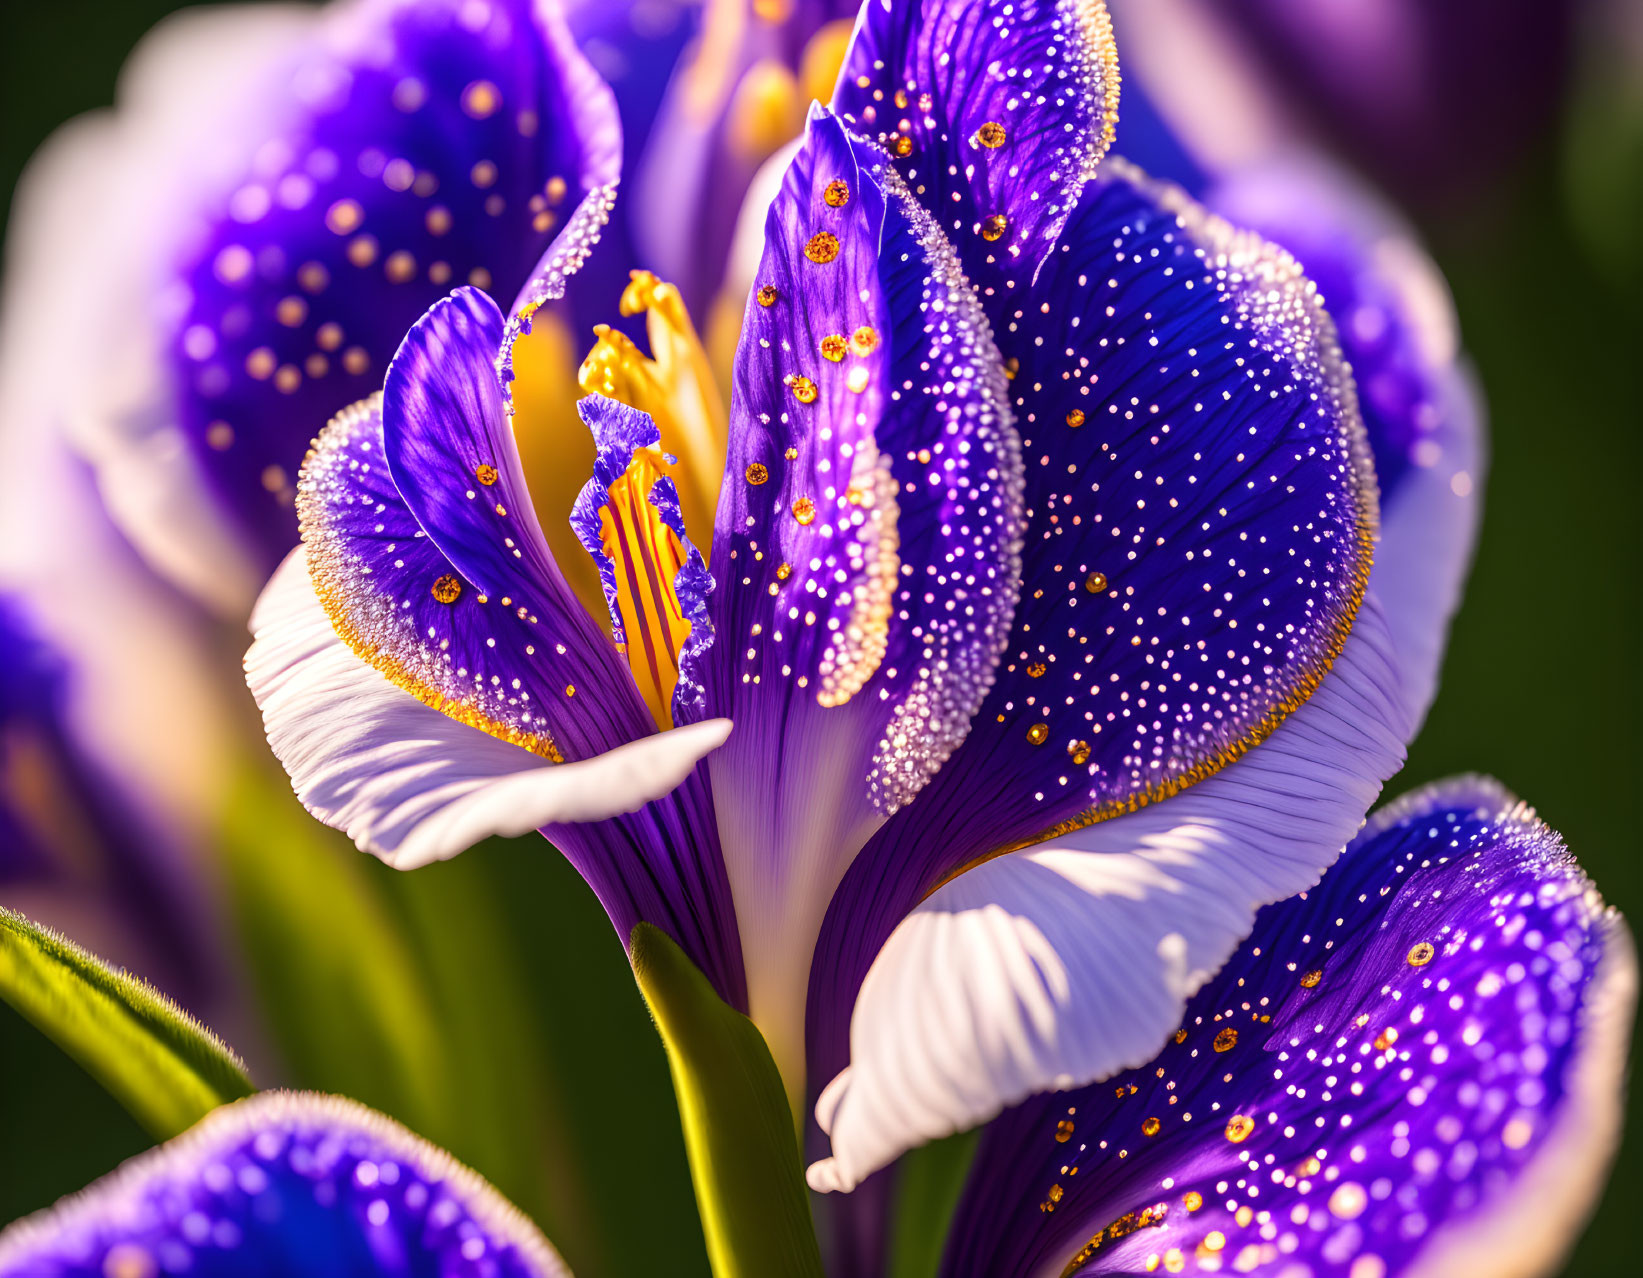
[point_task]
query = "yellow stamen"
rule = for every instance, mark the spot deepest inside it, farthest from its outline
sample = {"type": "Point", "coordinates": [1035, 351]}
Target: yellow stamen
{"type": "Point", "coordinates": [674, 386]}
{"type": "Point", "coordinates": [765, 112]}
{"type": "Point", "coordinates": [646, 555]}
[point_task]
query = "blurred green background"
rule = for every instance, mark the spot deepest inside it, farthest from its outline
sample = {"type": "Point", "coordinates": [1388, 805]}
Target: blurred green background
{"type": "Point", "coordinates": [1541, 689]}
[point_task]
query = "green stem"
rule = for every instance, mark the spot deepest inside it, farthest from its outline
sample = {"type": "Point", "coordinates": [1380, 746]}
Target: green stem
{"type": "Point", "coordinates": [739, 1128]}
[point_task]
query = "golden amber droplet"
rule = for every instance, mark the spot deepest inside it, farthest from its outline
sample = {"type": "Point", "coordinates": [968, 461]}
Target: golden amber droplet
{"type": "Point", "coordinates": [1079, 753]}
{"type": "Point", "coordinates": [994, 227]}
{"type": "Point", "coordinates": [1311, 979]}
{"type": "Point", "coordinates": [1039, 733]}
{"type": "Point", "coordinates": [865, 340]}
{"type": "Point", "coordinates": [756, 473]}
{"type": "Point", "coordinates": [1096, 582]}
{"type": "Point", "coordinates": [902, 146]}
{"type": "Point", "coordinates": [1421, 954]}
{"type": "Point", "coordinates": [1036, 670]}
{"type": "Point", "coordinates": [834, 346]}
{"type": "Point", "coordinates": [1064, 1131]}
{"type": "Point", "coordinates": [1075, 419]}
{"type": "Point", "coordinates": [1151, 1127]}
{"type": "Point", "coordinates": [485, 473]}
{"type": "Point", "coordinates": [1012, 366]}
{"type": "Point", "coordinates": [446, 589]}
{"type": "Point", "coordinates": [804, 510]}
{"type": "Point", "coordinates": [1226, 1040]}
{"type": "Point", "coordinates": [804, 390]}
{"type": "Point", "coordinates": [1385, 1039]}
{"type": "Point", "coordinates": [1180, 1036]}
{"type": "Point", "coordinates": [792, 454]}
{"type": "Point", "coordinates": [1193, 1199]}
{"type": "Point", "coordinates": [991, 135]}
{"type": "Point", "coordinates": [784, 571]}
{"type": "Point", "coordinates": [1239, 1126]}
{"type": "Point", "coordinates": [766, 295]}
{"type": "Point", "coordinates": [823, 247]}
{"type": "Point", "coordinates": [900, 99]}
{"type": "Point", "coordinates": [837, 193]}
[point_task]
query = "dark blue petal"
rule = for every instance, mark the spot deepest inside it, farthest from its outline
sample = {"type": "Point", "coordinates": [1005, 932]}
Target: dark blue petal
{"type": "Point", "coordinates": [284, 1185]}
{"type": "Point", "coordinates": [866, 538]}
{"type": "Point", "coordinates": [1199, 518]}
{"type": "Point", "coordinates": [1415, 1064]}
{"type": "Point", "coordinates": [418, 146]}
{"type": "Point", "coordinates": [1422, 412]}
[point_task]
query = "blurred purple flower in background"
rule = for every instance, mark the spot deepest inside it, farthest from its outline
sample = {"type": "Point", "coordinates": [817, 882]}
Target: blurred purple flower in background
{"type": "Point", "coordinates": [1436, 103]}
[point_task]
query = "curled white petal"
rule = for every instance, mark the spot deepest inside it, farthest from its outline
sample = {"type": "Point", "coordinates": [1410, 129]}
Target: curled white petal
{"type": "Point", "coordinates": [411, 785]}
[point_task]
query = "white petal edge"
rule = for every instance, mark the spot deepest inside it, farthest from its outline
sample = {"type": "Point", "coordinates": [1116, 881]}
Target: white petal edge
{"type": "Point", "coordinates": [1428, 532]}
{"type": "Point", "coordinates": [1530, 1229]}
{"type": "Point", "coordinates": [122, 1198]}
{"type": "Point", "coordinates": [1056, 966]}
{"type": "Point", "coordinates": [411, 785]}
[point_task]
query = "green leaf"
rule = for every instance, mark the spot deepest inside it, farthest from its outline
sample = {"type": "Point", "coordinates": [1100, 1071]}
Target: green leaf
{"type": "Point", "coordinates": [155, 1059]}
{"type": "Point", "coordinates": [929, 1180]}
{"type": "Point", "coordinates": [739, 1131]}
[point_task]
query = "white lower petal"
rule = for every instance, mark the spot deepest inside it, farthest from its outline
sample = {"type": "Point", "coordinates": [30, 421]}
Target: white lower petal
{"type": "Point", "coordinates": [1056, 966]}
{"type": "Point", "coordinates": [406, 782]}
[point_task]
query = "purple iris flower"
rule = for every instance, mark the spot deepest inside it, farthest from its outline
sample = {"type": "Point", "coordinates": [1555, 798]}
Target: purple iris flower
{"type": "Point", "coordinates": [1032, 566]}
{"type": "Point", "coordinates": [279, 1185]}
{"type": "Point", "coordinates": [1414, 1068]}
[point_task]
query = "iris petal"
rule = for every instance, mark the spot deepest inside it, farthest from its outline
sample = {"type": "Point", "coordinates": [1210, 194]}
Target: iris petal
{"type": "Point", "coordinates": [1414, 1068]}
{"type": "Point", "coordinates": [284, 1183]}
{"type": "Point", "coordinates": [998, 110]}
{"type": "Point", "coordinates": [1423, 414]}
{"type": "Point", "coordinates": [865, 544]}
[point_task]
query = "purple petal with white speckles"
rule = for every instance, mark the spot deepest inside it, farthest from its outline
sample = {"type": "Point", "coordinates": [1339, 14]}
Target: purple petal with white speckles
{"type": "Point", "coordinates": [999, 111]}
{"type": "Point", "coordinates": [866, 540]}
{"type": "Point", "coordinates": [1196, 545]}
{"type": "Point", "coordinates": [1413, 1068]}
{"type": "Point", "coordinates": [411, 147]}
{"type": "Point", "coordinates": [280, 1185]}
